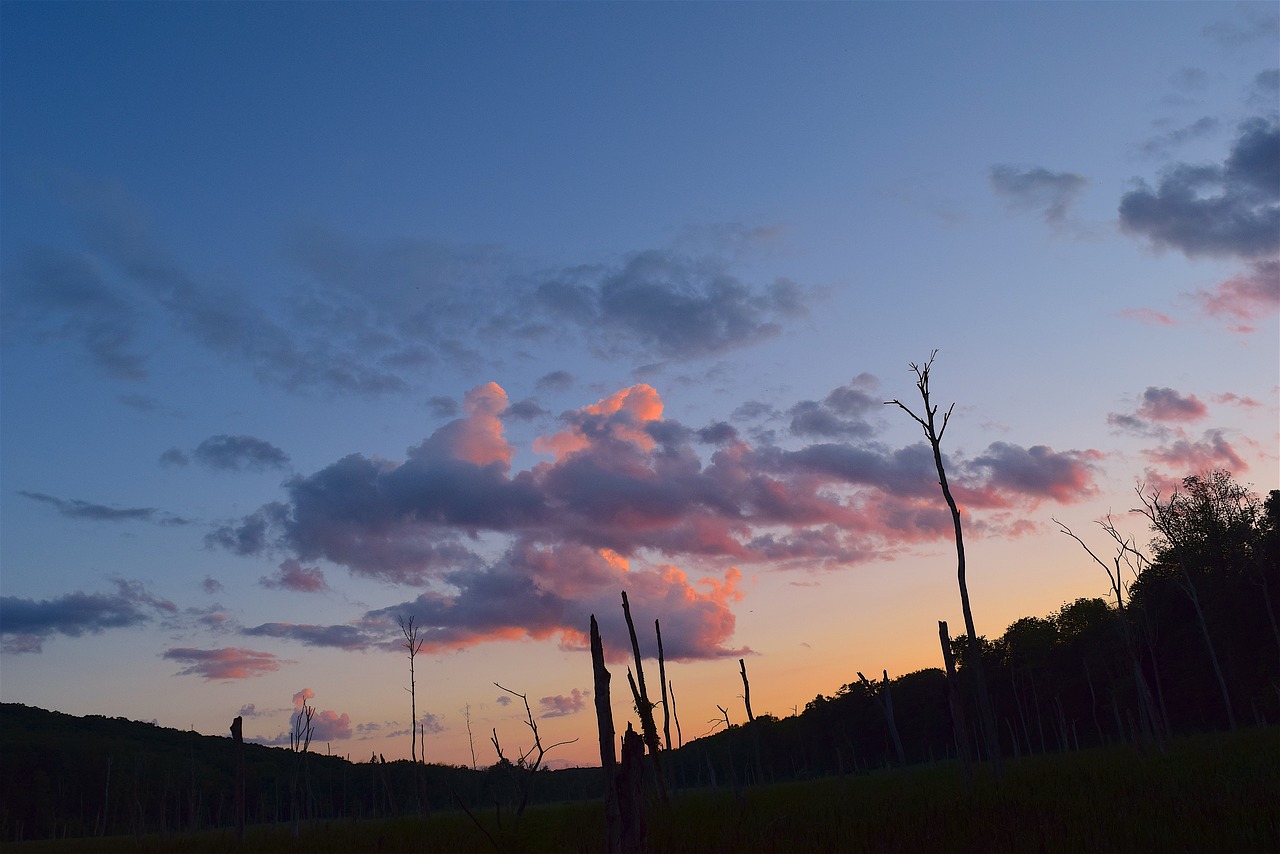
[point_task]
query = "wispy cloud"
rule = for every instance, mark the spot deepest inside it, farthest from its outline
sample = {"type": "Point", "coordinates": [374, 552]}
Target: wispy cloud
{"type": "Point", "coordinates": [26, 624]}
{"type": "Point", "coordinates": [239, 453]}
{"type": "Point", "coordinates": [223, 664]}
{"type": "Point", "coordinates": [1038, 190]}
{"type": "Point", "coordinates": [75, 508]}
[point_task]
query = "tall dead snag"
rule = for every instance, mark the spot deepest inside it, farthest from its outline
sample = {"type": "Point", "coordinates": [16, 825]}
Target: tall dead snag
{"type": "Point", "coordinates": [1151, 723]}
{"type": "Point", "coordinates": [413, 646]}
{"type": "Point", "coordinates": [523, 761]}
{"type": "Point", "coordinates": [957, 704]}
{"type": "Point", "coordinates": [608, 759]}
{"type": "Point", "coordinates": [299, 743]}
{"type": "Point", "coordinates": [237, 739]}
{"type": "Point", "coordinates": [675, 715]}
{"type": "Point", "coordinates": [662, 674]}
{"type": "Point", "coordinates": [644, 708]}
{"type": "Point", "coordinates": [746, 688]}
{"type": "Point", "coordinates": [933, 433]}
{"type": "Point", "coordinates": [884, 699]}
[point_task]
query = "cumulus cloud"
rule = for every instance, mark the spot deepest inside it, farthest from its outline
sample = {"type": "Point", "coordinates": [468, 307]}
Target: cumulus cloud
{"type": "Point", "coordinates": [292, 575]}
{"type": "Point", "coordinates": [626, 499]}
{"type": "Point", "coordinates": [225, 663]}
{"type": "Point", "coordinates": [26, 623]}
{"type": "Point", "coordinates": [211, 585]}
{"type": "Point", "coordinates": [326, 725]}
{"type": "Point", "coordinates": [74, 508]}
{"type": "Point", "coordinates": [1166, 404]}
{"type": "Point", "coordinates": [1230, 210]}
{"type": "Point", "coordinates": [174, 457]}
{"type": "Point", "coordinates": [1038, 190]}
{"type": "Point", "coordinates": [559, 706]}
{"type": "Point", "coordinates": [239, 453]}
{"type": "Point", "coordinates": [1212, 450]}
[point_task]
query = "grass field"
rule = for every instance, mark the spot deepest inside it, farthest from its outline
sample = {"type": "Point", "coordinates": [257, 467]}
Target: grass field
{"type": "Point", "coordinates": [1209, 793]}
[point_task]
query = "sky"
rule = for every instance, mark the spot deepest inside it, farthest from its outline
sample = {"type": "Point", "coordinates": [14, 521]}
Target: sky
{"type": "Point", "coordinates": [319, 316]}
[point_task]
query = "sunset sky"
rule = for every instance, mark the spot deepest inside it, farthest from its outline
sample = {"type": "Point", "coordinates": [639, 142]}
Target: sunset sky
{"type": "Point", "coordinates": [319, 315]}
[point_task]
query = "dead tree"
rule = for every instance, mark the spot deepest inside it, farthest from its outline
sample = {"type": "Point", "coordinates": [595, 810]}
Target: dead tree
{"type": "Point", "coordinates": [956, 702]}
{"type": "Point", "coordinates": [608, 760]}
{"type": "Point", "coordinates": [746, 689]}
{"type": "Point", "coordinates": [675, 715]}
{"type": "Point", "coordinates": [237, 739]}
{"type": "Point", "coordinates": [644, 707]}
{"type": "Point", "coordinates": [933, 433]}
{"type": "Point", "coordinates": [884, 698]}
{"type": "Point", "coordinates": [523, 762]}
{"type": "Point", "coordinates": [299, 743]}
{"type": "Point", "coordinates": [1151, 723]}
{"type": "Point", "coordinates": [413, 646]}
{"type": "Point", "coordinates": [662, 675]}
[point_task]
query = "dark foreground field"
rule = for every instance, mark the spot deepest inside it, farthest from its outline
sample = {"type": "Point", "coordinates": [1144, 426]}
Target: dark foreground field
{"type": "Point", "coordinates": [1210, 793]}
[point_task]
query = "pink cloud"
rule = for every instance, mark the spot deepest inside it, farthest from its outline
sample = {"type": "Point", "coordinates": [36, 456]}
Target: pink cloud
{"type": "Point", "coordinates": [1236, 400]}
{"type": "Point", "coordinates": [292, 575]}
{"type": "Point", "coordinates": [1185, 456]}
{"type": "Point", "coordinates": [225, 663]}
{"type": "Point", "coordinates": [621, 416]}
{"type": "Point", "coordinates": [560, 706]}
{"type": "Point", "coordinates": [1147, 316]}
{"type": "Point", "coordinates": [1246, 298]}
{"type": "Point", "coordinates": [1166, 404]}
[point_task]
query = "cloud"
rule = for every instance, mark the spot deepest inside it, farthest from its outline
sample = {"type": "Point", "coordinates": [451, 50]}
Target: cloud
{"type": "Point", "coordinates": [1231, 210]}
{"type": "Point", "coordinates": [626, 499]}
{"type": "Point", "coordinates": [292, 575]}
{"type": "Point", "coordinates": [326, 725]}
{"type": "Point", "coordinates": [556, 381]}
{"type": "Point", "coordinates": [375, 318]}
{"type": "Point", "coordinates": [442, 407]}
{"type": "Point", "coordinates": [174, 457]}
{"type": "Point", "coordinates": [1147, 316]}
{"type": "Point", "coordinates": [560, 706]}
{"type": "Point", "coordinates": [670, 305]}
{"type": "Point", "coordinates": [239, 453]}
{"type": "Point", "coordinates": [1166, 404]}
{"type": "Point", "coordinates": [211, 585]}
{"type": "Point", "coordinates": [1245, 298]}
{"type": "Point", "coordinates": [1185, 456]}
{"type": "Point", "coordinates": [1036, 189]}
{"type": "Point", "coordinates": [63, 295]}
{"type": "Point", "coordinates": [1038, 471]}
{"type": "Point", "coordinates": [249, 710]}
{"type": "Point", "coordinates": [74, 508]}
{"type": "Point", "coordinates": [350, 637]}
{"type": "Point", "coordinates": [1250, 23]}
{"type": "Point", "coordinates": [1160, 146]}
{"type": "Point", "coordinates": [26, 623]}
{"type": "Point", "coordinates": [225, 663]}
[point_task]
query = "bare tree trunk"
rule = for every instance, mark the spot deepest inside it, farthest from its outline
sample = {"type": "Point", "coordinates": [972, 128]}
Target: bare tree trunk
{"type": "Point", "coordinates": [237, 739]}
{"type": "Point", "coordinates": [746, 689]}
{"type": "Point", "coordinates": [934, 434]}
{"type": "Point", "coordinates": [644, 708]}
{"type": "Point", "coordinates": [608, 761]}
{"type": "Point", "coordinates": [662, 674]}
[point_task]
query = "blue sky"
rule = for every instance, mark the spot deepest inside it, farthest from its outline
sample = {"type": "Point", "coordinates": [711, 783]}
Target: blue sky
{"type": "Point", "coordinates": [314, 316]}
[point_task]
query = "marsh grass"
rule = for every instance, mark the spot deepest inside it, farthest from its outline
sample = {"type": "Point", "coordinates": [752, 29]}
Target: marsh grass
{"type": "Point", "coordinates": [1210, 793]}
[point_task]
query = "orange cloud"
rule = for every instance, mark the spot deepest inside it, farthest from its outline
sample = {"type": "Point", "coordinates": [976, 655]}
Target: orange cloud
{"type": "Point", "coordinates": [620, 416]}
